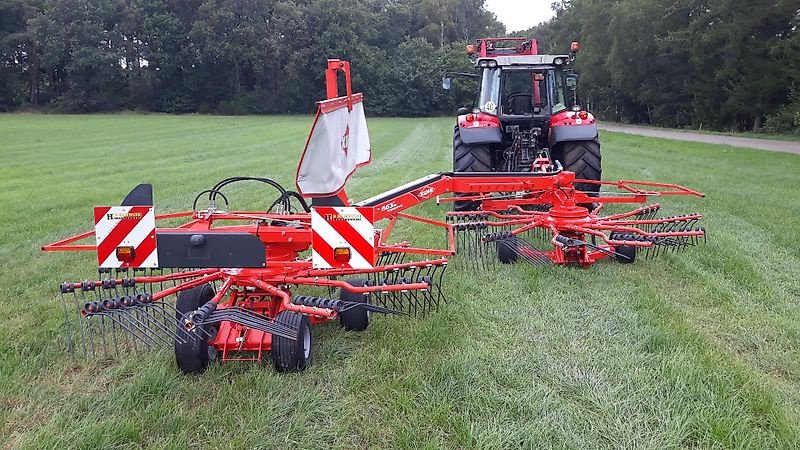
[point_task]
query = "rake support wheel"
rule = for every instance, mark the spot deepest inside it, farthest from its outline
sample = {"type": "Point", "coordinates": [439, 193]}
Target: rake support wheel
{"type": "Point", "coordinates": [288, 355]}
{"type": "Point", "coordinates": [354, 319]}
{"type": "Point", "coordinates": [505, 253]}
{"type": "Point", "coordinates": [193, 355]}
{"type": "Point", "coordinates": [628, 253]}
{"type": "Point", "coordinates": [469, 158]}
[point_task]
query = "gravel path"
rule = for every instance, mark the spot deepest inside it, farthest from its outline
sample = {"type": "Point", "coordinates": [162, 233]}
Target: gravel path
{"type": "Point", "coordinates": [762, 144]}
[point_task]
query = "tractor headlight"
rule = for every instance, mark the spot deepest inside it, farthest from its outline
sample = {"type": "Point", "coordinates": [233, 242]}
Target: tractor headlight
{"type": "Point", "coordinates": [492, 64]}
{"type": "Point", "coordinates": [558, 61]}
{"type": "Point", "coordinates": [483, 64]}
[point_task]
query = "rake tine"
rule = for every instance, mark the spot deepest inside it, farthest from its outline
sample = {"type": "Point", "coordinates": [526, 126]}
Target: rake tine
{"type": "Point", "coordinates": [143, 335]}
{"type": "Point", "coordinates": [159, 325]}
{"type": "Point", "coordinates": [67, 288]}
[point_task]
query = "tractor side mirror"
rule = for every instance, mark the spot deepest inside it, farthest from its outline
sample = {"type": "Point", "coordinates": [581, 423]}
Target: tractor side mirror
{"type": "Point", "coordinates": [572, 81]}
{"type": "Point", "coordinates": [447, 83]}
{"type": "Point", "coordinates": [462, 111]}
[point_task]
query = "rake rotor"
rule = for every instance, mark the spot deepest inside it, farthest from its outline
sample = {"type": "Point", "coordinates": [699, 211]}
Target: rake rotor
{"type": "Point", "coordinates": [525, 226]}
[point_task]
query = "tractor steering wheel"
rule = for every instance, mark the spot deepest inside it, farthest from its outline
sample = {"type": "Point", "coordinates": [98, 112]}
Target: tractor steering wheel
{"type": "Point", "coordinates": [520, 103]}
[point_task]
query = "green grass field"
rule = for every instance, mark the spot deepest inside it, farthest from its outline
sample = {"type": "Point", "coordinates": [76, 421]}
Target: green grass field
{"type": "Point", "coordinates": [700, 349]}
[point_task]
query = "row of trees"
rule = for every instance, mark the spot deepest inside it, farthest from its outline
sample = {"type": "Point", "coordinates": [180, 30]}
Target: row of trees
{"type": "Point", "coordinates": [231, 56]}
{"type": "Point", "coordinates": [724, 64]}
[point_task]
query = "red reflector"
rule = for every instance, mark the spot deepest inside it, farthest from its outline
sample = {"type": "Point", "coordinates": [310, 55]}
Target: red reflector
{"type": "Point", "coordinates": [125, 254]}
{"type": "Point", "coordinates": [341, 254]}
{"type": "Point", "coordinates": [583, 115]}
{"type": "Point", "coordinates": [470, 117]}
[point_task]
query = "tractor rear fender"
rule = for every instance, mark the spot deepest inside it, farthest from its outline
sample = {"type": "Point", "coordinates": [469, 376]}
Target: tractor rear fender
{"type": "Point", "coordinates": [566, 133]}
{"type": "Point", "coordinates": [480, 128]}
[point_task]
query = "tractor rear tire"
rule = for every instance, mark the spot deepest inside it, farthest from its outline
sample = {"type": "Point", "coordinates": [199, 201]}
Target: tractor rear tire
{"type": "Point", "coordinates": [582, 158]}
{"type": "Point", "coordinates": [288, 355]}
{"type": "Point", "coordinates": [194, 355]}
{"type": "Point", "coordinates": [469, 158]}
{"type": "Point", "coordinates": [354, 319]}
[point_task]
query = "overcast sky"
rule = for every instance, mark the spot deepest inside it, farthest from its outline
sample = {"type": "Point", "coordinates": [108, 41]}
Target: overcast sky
{"type": "Point", "coordinates": [520, 14]}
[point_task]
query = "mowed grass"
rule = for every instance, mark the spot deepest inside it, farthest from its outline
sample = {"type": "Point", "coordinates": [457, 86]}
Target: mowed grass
{"type": "Point", "coordinates": [700, 349]}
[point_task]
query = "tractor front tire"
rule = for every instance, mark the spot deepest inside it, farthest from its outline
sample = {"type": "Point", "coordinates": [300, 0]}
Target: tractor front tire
{"type": "Point", "coordinates": [288, 355]}
{"type": "Point", "coordinates": [582, 158]}
{"type": "Point", "coordinates": [354, 319]}
{"type": "Point", "coordinates": [469, 158]}
{"type": "Point", "coordinates": [192, 356]}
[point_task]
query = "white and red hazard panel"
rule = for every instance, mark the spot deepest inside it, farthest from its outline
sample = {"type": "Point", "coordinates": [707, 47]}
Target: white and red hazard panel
{"type": "Point", "coordinates": [126, 237]}
{"type": "Point", "coordinates": [342, 238]}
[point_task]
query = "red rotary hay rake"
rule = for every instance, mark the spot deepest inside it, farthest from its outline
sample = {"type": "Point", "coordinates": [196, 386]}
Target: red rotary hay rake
{"type": "Point", "coordinates": [232, 285]}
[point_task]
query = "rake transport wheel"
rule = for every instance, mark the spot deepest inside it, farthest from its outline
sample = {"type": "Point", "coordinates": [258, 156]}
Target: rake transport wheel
{"type": "Point", "coordinates": [194, 355]}
{"type": "Point", "coordinates": [288, 355]}
{"type": "Point", "coordinates": [354, 319]}
{"type": "Point", "coordinates": [506, 254]}
{"type": "Point", "coordinates": [583, 158]}
{"type": "Point", "coordinates": [627, 252]}
{"type": "Point", "coordinates": [469, 158]}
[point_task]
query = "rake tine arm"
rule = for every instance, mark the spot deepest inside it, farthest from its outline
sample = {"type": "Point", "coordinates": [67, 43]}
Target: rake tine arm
{"type": "Point", "coordinates": [685, 218]}
{"type": "Point", "coordinates": [355, 289]}
{"type": "Point", "coordinates": [157, 278]}
{"type": "Point", "coordinates": [372, 308]}
{"type": "Point", "coordinates": [641, 232]}
{"type": "Point", "coordinates": [527, 213]}
{"type": "Point", "coordinates": [632, 213]}
{"type": "Point", "coordinates": [631, 186]}
{"type": "Point", "coordinates": [377, 269]}
{"type": "Point", "coordinates": [216, 275]}
{"type": "Point", "coordinates": [528, 227]}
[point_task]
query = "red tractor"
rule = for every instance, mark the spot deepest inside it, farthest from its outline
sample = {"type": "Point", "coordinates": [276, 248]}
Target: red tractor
{"type": "Point", "coordinates": [527, 117]}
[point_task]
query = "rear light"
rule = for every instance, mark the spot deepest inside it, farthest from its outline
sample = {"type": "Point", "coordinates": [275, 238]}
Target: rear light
{"type": "Point", "coordinates": [125, 254]}
{"type": "Point", "coordinates": [583, 115]}
{"type": "Point", "coordinates": [341, 254]}
{"type": "Point", "coordinates": [470, 117]}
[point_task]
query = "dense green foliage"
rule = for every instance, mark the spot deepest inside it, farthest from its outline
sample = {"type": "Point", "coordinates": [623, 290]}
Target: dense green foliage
{"type": "Point", "coordinates": [231, 56]}
{"type": "Point", "coordinates": [727, 64]}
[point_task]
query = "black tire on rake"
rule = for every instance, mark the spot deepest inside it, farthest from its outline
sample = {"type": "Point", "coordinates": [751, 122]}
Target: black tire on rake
{"type": "Point", "coordinates": [193, 356]}
{"type": "Point", "coordinates": [293, 355]}
{"type": "Point", "coordinates": [505, 253]}
{"type": "Point", "coordinates": [354, 319]}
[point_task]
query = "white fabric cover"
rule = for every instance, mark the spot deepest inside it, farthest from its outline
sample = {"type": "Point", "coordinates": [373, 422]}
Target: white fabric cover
{"type": "Point", "coordinates": [339, 143]}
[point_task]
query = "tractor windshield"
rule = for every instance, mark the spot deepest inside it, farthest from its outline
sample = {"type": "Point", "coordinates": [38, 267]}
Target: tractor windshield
{"type": "Point", "coordinates": [489, 95]}
{"type": "Point", "coordinates": [524, 90]}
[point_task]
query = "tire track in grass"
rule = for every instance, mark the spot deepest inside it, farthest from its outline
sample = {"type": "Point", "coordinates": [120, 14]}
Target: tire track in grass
{"type": "Point", "coordinates": [416, 155]}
